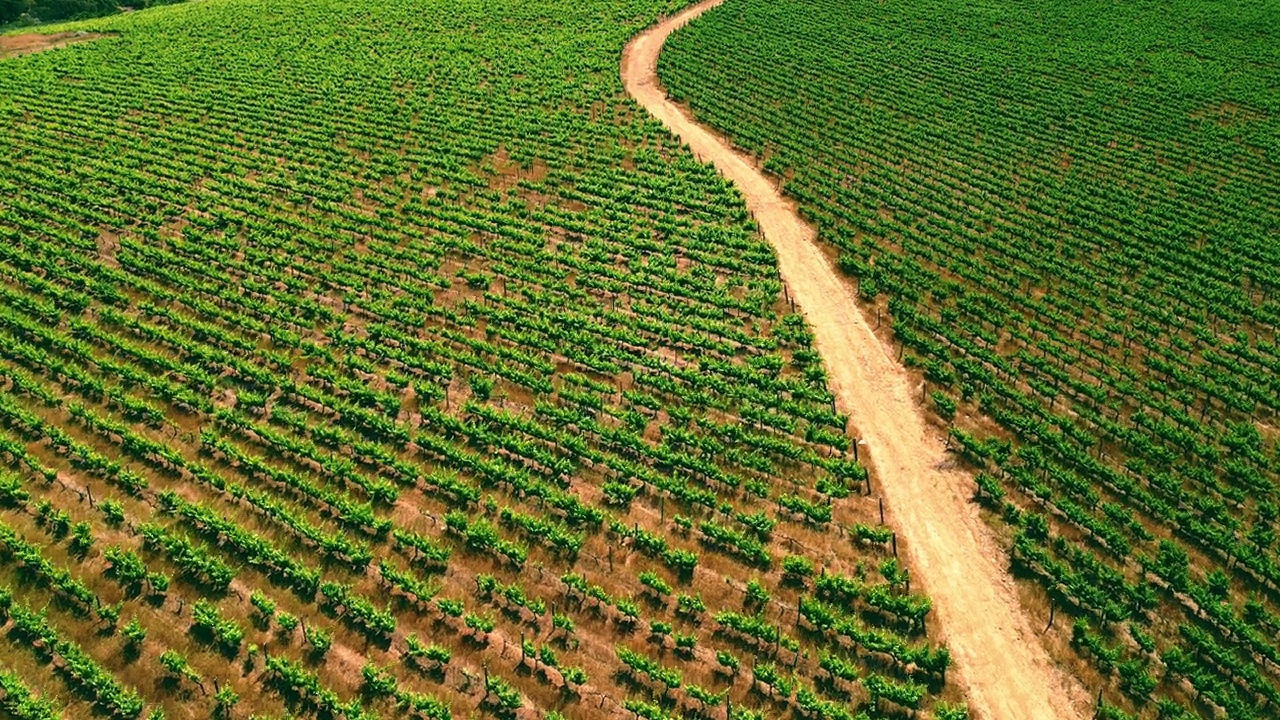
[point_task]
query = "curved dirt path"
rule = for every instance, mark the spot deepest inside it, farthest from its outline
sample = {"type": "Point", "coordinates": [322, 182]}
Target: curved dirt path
{"type": "Point", "coordinates": [999, 660]}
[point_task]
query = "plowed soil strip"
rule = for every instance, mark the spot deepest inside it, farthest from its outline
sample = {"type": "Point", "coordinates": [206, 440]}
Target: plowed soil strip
{"type": "Point", "coordinates": [15, 45]}
{"type": "Point", "coordinates": [999, 660]}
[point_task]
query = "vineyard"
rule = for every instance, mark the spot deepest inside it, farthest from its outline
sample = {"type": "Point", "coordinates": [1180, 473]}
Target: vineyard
{"type": "Point", "coordinates": [1068, 220]}
{"type": "Point", "coordinates": [365, 360]}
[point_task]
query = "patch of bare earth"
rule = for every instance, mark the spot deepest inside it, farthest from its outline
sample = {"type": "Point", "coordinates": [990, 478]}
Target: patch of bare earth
{"type": "Point", "coordinates": [1000, 660]}
{"type": "Point", "coordinates": [15, 45]}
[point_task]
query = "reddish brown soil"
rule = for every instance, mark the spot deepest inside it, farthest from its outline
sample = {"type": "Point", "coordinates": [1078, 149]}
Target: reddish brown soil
{"type": "Point", "coordinates": [15, 45]}
{"type": "Point", "coordinates": [1000, 661]}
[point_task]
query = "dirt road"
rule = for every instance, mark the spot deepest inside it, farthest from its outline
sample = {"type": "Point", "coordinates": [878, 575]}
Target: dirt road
{"type": "Point", "coordinates": [998, 658]}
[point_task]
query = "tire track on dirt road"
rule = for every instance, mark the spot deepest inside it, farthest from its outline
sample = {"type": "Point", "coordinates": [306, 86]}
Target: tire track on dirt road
{"type": "Point", "coordinates": [998, 658]}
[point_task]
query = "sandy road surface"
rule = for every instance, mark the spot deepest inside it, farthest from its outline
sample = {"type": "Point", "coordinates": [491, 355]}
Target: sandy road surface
{"type": "Point", "coordinates": [998, 659]}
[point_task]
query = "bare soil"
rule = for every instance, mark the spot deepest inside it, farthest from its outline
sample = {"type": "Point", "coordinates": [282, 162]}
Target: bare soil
{"type": "Point", "coordinates": [999, 658]}
{"type": "Point", "coordinates": [15, 45]}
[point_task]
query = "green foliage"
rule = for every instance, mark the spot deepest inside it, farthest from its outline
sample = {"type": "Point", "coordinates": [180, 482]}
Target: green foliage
{"type": "Point", "coordinates": [319, 638]}
{"type": "Point", "coordinates": [797, 566]}
{"type": "Point", "coordinates": [177, 665]}
{"type": "Point", "coordinates": [563, 622]}
{"type": "Point", "coordinates": [377, 680]}
{"type": "Point", "coordinates": [134, 632]}
{"type": "Point", "coordinates": [452, 608]}
{"type": "Point", "coordinates": [287, 621]}
{"type": "Point", "coordinates": [433, 653]}
{"type": "Point", "coordinates": [21, 703]}
{"type": "Point", "coordinates": [690, 604]}
{"type": "Point", "coordinates": [943, 403]}
{"type": "Point", "coordinates": [227, 633]}
{"type": "Point", "coordinates": [268, 269]}
{"type": "Point", "coordinates": [502, 694]}
{"type": "Point", "coordinates": [112, 510]}
{"type": "Point", "coordinates": [628, 608]}
{"type": "Point", "coordinates": [727, 660]}
{"type": "Point", "coordinates": [479, 623]}
{"type": "Point", "coordinates": [654, 582]}
{"type": "Point", "coordinates": [225, 699]}
{"type": "Point", "coordinates": [265, 606]}
{"type": "Point", "coordinates": [1103, 293]}
{"type": "Point", "coordinates": [81, 538]}
{"type": "Point", "coordinates": [54, 10]}
{"type": "Point", "coordinates": [639, 664]}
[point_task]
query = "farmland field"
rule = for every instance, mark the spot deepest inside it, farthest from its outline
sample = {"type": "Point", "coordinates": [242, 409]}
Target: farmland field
{"type": "Point", "coordinates": [363, 359]}
{"type": "Point", "coordinates": [1068, 217]}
